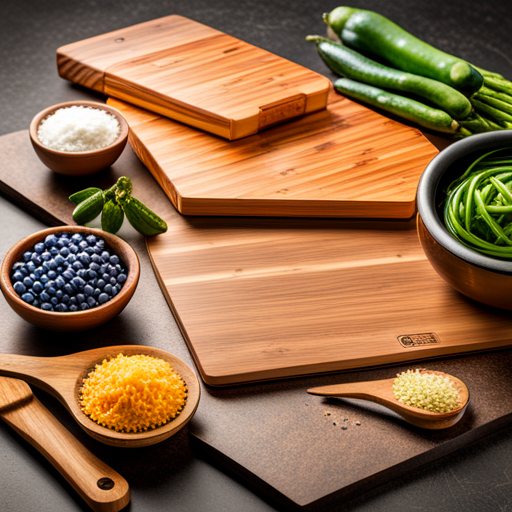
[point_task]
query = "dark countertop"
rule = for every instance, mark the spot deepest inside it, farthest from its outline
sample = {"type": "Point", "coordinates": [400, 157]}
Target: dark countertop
{"type": "Point", "coordinates": [474, 478]}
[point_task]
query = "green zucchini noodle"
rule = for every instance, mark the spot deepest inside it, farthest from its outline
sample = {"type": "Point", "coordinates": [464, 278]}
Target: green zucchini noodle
{"type": "Point", "coordinates": [478, 208]}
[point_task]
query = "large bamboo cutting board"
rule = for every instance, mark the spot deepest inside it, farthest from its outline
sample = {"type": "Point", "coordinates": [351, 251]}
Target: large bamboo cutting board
{"type": "Point", "coordinates": [345, 161]}
{"type": "Point", "coordinates": [195, 74]}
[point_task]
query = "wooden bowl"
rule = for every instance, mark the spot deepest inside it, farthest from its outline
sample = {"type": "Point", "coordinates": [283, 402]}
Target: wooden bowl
{"type": "Point", "coordinates": [79, 163]}
{"type": "Point", "coordinates": [482, 278]}
{"type": "Point", "coordinates": [77, 320]}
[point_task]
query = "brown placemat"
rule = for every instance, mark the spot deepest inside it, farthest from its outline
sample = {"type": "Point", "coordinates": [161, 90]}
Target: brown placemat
{"type": "Point", "coordinates": [275, 437]}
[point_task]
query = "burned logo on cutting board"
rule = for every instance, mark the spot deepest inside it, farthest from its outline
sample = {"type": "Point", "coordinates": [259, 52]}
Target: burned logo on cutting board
{"type": "Point", "coordinates": [417, 340]}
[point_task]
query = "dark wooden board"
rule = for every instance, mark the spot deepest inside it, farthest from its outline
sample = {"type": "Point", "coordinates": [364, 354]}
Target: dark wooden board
{"type": "Point", "coordinates": [273, 436]}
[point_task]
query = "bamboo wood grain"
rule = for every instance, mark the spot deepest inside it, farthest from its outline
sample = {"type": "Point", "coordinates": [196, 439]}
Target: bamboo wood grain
{"type": "Point", "coordinates": [62, 377]}
{"type": "Point", "coordinates": [195, 74]}
{"type": "Point", "coordinates": [265, 299]}
{"type": "Point", "coordinates": [345, 161]}
{"type": "Point", "coordinates": [102, 488]}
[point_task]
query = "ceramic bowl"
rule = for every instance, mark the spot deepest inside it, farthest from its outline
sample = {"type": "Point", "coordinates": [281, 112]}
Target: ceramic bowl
{"type": "Point", "coordinates": [83, 162]}
{"type": "Point", "coordinates": [78, 320]}
{"type": "Point", "coordinates": [482, 278]}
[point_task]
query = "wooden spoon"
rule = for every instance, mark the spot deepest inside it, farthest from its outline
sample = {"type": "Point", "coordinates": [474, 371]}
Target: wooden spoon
{"type": "Point", "coordinates": [101, 487]}
{"type": "Point", "coordinates": [62, 377]}
{"type": "Point", "coordinates": [381, 392]}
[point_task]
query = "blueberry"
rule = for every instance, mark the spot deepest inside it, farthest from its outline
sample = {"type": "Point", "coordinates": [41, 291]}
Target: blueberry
{"type": "Point", "coordinates": [77, 265]}
{"type": "Point", "coordinates": [17, 276]}
{"type": "Point", "coordinates": [61, 308]}
{"type": "Point", "coordinates": [71, 258]}
{"type": "Point", "coordinates": [103, 268]}
{"type": "Point", "coordinates": [46, 256]}
{"type": "Point", "coordinates": [51, 290]}
{"type": "Point", "coordinates": [27, 297]}
{"type": "Point", "coordinates": [50, 240]}
{"type": "Point", "coordinates": [94, 265]}
{"type": "Point", "coordinates": [54, 301]}
{"type": "Point", "coordinates": [73, 307]}
{"type": "Point", "coordinates": [113, 281]}
{"type": "Point", "coordinates": [18, 265]}
{"type": "Point", "coordinates": [65, 298]}
{"type": "Point", "coordinates": [60, 282]}
{"type": "Point", "coordinates": [45, 296]}
{"type": "Point", "coordinates": [105, 256]}
{"type": "Point", "coordinates": [64, 252]}
{"type": "Point", "coordinates": [72, 300]}
{"type": "Point", "coordinates": [84, 305]}
{"type": "Point", "coordinates": [38, 272]}
{"type": "Point", "coordinates": [37, 287]}
{"type": "Point", "coordinates": [97, 291]}
{"type": "Point", "coordinates": [28, 282]}
{"type": "Point", "coordinates": [35, 303]}
{"type": "Point", "coordinates": [52, 274]}
{"type": "Point", "coordinates": [59, 259]}
{"type": "Point", "coordinates": [88, 290]}
{"type": "Point", "coordinates": [30, 267]}
{"type": "Point", "coordinates": [83, 245]}
{"type": "Point", "coordinates": [91, 301]}
{"type": "Point", "coordinates": [77, 238]}
{"type": "Point", "coordinates": [51, 264]}
{"type": "Point", "coordinates": [91, 274]}
{"type": "Point", "coordinates": [69, 288]}
{"type": "Point", "coordinates": [84, 258]}
{"type": "Point", "coordinates": [97, 250]}
{"type": "Point", "coordinates": [114, 260]}
{"type": "Point", "coordinates": [59, 294]}
{"type": "Point", "coordinates": [100, 284]}
{"type": "Point", "coordinates": [54, 251]}
{"type": "Point", "coordinates": [44, 278]}
{"type": "Point", "coordinates": [89, 251]}
{"type": "Point", "coordinates": [80, 297]}
{"type": "Point", "coordinates": [91, 239]}
{"type": "Point", "coordinates": [92, 282]}
{"type": "Point", "coordinates": [33, 276]}
{"type": "Point", "coordinates": [108, 289]}
{"type": "Point", "coordinates": [68, 274]}
{"type": "Point", "coordinates": [39, 248]}
{"type": "Point", "coordinates": [27, 255]}
{"type": "Point", "coordinates": [78, 282]}
{"type": "Point", "coordinates": [36, 259]}
{"type": "Point", "coordinates": [73, 248]}
{"type": "Point", "coordinates": [19, 288]}
{"type": "Point", "coordinates": [103, 298]}
{"type": "Point", "coordinates": [82, 273]}
{"type": "Point", "coordinates": [46, 306]}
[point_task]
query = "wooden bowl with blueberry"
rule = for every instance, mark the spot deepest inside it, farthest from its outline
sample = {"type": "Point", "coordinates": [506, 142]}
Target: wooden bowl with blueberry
{"type": "Point", "coordinates": [69, 278]}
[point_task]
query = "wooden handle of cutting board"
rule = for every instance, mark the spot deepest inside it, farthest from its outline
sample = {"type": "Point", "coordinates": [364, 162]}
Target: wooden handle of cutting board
{"type": "Point", "coordinates": [103, 489]}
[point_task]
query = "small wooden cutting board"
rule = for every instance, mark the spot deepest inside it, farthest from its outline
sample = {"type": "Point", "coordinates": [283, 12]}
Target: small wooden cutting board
{"type": "Point", "coordinates": [196, 75]}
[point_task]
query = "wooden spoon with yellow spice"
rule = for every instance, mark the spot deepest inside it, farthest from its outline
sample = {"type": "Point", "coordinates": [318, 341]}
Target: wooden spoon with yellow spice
{"type": "Point", "coordinates": [447, 398]}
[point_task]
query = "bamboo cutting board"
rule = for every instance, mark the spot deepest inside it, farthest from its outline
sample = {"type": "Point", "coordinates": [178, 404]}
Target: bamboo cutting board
{"type": "Point", "coordinates": [195, 74]}
{"type": "Point", "coordinates": [266, 298]}
{"type": "Point", "coordinates": [344, 161]}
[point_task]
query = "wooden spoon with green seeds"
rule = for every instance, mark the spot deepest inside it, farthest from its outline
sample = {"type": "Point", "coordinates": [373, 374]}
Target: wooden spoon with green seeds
{"type": "Point", "coordinates": [381, 392]}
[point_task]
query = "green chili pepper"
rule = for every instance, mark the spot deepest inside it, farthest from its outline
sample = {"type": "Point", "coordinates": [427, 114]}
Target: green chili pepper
{"type": "Point", "coordinates": [89, 209]}
{"type": "Point", "coordinates": [112, 217]}
{"type": "Point", "coordinates": [78, 197]}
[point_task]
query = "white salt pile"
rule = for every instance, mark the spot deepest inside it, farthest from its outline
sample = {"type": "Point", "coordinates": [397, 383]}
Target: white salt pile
{"type": "Point", "coordinates": [78, 128]}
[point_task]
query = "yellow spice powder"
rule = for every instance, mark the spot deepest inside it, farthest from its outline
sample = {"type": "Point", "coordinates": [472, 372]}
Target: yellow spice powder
{"type": "Point", "coordinates": [133, 393]}
{"type": "Point", "coordinates": [429, 391]}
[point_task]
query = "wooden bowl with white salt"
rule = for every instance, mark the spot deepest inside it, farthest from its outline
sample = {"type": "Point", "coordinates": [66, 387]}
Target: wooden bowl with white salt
{"type": "Point", "coordinates": [78, 138]}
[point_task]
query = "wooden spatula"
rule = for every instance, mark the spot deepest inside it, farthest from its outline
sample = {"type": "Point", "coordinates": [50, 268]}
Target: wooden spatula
{"type": "Point", "coordinates": [100, 486]}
